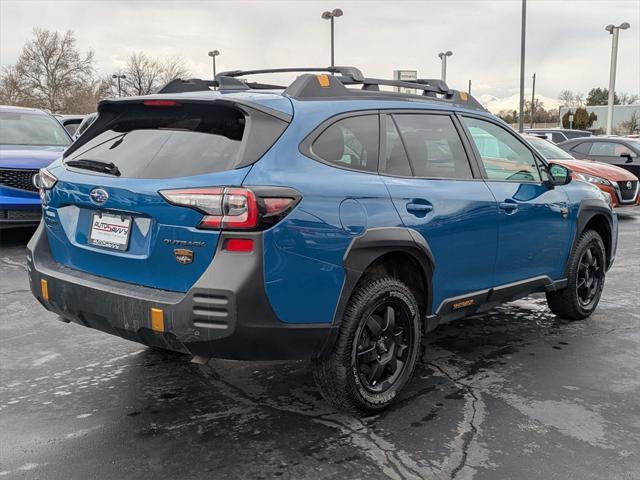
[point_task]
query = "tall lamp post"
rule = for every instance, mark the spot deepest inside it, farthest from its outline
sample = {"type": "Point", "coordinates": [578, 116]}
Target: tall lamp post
{"type": "Point", "coordinates": [615, 31]}
{"type": "Point", "coordinates": [119, 77]}
{"type": "Point", "coordinates": [330, 15]}
{"type": "Point", "coordinates": [523, 34]}
{"type": "Point", "coordinates": [213, 54]}
{"type": "Point", "coordinates": [443, 56]}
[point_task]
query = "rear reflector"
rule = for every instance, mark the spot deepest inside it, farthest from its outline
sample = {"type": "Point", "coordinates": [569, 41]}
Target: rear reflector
{"type": "Point", "coordinates": [44, 289]}
{"type": "Point", "coordinates": [160, 103]}
{"type": "Point", "coordinates": [157, 320]}
{"type": "Point", "coordinates": [244, 245]}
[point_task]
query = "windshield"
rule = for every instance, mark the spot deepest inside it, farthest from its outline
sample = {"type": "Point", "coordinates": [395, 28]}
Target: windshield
{"type": "Point", "coordinates": [18, 128]}
{"type": "Point", "coordinates": [548, 150]}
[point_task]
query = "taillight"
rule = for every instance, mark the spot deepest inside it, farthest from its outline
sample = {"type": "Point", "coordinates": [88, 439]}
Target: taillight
{"type": "Point", "coordinates": [232, 208]}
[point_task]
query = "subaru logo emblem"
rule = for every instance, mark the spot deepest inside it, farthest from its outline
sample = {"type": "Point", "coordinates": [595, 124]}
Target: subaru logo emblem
{"type": "Point", "coordinates": [99, 196]}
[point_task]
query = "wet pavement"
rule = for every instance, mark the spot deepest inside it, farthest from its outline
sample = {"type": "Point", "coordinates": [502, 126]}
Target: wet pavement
{"type": "Point", "coordinates": [516, 393]}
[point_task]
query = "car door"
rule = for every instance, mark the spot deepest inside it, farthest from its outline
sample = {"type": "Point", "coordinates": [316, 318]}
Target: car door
{"type": "Point", "coordinates": [534, 231]}
{"type": "Point", "coordinates": [439, 193]}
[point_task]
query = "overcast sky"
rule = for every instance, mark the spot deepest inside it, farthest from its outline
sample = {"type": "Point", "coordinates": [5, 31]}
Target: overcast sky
{"type": "Point", "coordinates": [567, 45]}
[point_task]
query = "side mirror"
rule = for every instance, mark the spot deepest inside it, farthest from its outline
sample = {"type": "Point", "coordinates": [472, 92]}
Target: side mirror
{"type": "Point", "coordinates": [628, 156]}
{"type": "Point", "coordinates": [559, 174]}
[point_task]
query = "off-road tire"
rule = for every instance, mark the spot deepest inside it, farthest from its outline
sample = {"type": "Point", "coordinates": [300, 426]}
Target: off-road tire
{"type": "Point", "coordinates": [565, 303]}
{"type": "Point", "coordinates": [336, 374]}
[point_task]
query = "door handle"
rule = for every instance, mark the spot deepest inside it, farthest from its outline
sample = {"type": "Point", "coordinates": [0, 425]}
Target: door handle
{"type": "Point", "coordinates": [418, 208]}
{"type": "Point", "coordinates": [508, 207]}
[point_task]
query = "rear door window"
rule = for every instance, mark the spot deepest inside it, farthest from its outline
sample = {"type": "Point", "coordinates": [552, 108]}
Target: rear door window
{"type": "Point", "coordinates": [172, 141]}
{"type": "Point", "coordinates": [350, 143]}
{"type": "Point", "coordinates": [433, 146]}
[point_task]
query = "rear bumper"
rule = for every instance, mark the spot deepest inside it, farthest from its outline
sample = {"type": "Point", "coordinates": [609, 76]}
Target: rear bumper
{"type": "Point", "coordinates": [225, 315]}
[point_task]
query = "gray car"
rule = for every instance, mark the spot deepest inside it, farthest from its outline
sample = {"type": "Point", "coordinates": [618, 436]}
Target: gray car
{"type": "Point", "coordinates": [619, 151]}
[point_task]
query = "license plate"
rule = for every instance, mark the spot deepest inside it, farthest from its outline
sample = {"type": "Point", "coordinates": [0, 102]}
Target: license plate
{"type": "Point", "coordinates": [110, 231]}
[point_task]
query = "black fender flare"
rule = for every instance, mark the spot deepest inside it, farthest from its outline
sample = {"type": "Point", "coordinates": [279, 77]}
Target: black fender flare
{"type": "Point", "coordinates": [588, 209]}
{"type": "Point", "coordinates": [366, 249]}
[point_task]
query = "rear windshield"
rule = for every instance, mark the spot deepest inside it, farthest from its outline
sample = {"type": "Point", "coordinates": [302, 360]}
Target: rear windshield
{"type": "Point", "coordinates": [31, 129]}
{"type": "Point", "coordinates": [167, 141]}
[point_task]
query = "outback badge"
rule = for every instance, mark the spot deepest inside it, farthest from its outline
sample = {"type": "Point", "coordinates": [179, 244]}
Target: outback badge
{"type": "Point", "coordinates": [183, 255]}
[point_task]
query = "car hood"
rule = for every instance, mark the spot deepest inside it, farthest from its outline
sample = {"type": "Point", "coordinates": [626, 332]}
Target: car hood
{"type": "Point", "coordinates": [28, 156]}
{"type": "Point", "coordinates": [599, 169]}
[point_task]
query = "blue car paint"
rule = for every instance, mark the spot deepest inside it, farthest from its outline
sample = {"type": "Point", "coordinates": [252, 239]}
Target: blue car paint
{"type": "Point", "coordinates": [150, 260]}
{"type": "Point", "coordinates": [473, 242]}
{"type": "Point", "coordinates": [24, 157]}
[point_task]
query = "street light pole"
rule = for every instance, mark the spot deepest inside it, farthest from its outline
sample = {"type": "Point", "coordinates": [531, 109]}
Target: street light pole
{"type": "Point", "coordinates": [119, 77]}
{"type": "Point", "coordinates": [331, 15]}
{"type": "Point", "coordinates": [443, 57]}
{"type": "Point", "coordinates": [213, 54]}
{"type": "Point", "coordinates": [523, 29]}
{"type": "Point", "coordinates": [533, 99]}
{"type": "Point", "coordinates": [615, 31]}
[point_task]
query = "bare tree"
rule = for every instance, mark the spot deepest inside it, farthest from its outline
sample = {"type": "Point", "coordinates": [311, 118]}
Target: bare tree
{"type": "Point", "coordinates": [11, 88]}
{"type": "Point", "coordinates": [570, 99]}
{"type": "Point", "coordinates": [142, 74]}
{"type": "Point", "coordinates": [628, 99]}
{"type": "Point", "coordinates": [50, 70]}
{"type": "Point", "coordinates": [172, 68]}
{"type": "Point", "coordinates": [145, 74]}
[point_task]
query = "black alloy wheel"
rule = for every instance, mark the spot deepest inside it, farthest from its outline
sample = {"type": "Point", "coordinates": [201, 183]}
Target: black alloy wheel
{"type": "Point", "coordinates": [381, 349]}
{"type": "Point", "coordinates": [590, 274]}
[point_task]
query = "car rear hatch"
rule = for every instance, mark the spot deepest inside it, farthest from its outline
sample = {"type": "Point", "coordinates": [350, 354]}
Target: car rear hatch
{"type": "Point", "coordinates": [115, 209]}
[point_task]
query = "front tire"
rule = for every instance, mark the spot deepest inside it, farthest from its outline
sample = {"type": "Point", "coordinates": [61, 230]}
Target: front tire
{"type": "Point", "coordinates": [376, 350]}
{"type": "Point", "coordinates": [586, 273]}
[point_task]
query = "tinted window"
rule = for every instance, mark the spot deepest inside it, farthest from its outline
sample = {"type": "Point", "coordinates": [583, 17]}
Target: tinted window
{"type": "Point", "coordinates": [18, 128]}
{"type": "Point", "coordinates": [351, 143]}
{"type": "Point", "coordinates": [557, 137]}
{"type": "Point", "coordinates": [433, 146]}
{"type": "Point", "coordinates": [397, 162]}
{"type": "Point", "coordinates": [504, 156]}
{"type": "Point", "coordinates": [582, 148]}
{"type": "Point", "coordinates": [175, 141]}
{"type": "Point", "coordinates": [609, 149]}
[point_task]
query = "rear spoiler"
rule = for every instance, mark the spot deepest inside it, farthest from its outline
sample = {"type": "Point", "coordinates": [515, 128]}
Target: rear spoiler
{"type": "Point", "coordinates": [104, 118]}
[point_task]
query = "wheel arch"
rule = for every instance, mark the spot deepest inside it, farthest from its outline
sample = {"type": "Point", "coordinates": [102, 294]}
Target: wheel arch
{"type": "Point", "coordinates": [396, 251]}
{"type": "Point", "coordinates": [595, 215]}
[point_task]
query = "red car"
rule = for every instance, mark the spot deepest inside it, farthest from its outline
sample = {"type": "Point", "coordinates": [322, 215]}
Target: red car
{"type": "Point", "coordinates": [621, 185]}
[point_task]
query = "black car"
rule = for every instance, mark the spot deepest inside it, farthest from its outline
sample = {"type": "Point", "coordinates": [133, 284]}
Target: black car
{"type": "Point", "coordinates": [620, 151]}
{"type": "Point", "coordinates": [557, 135]}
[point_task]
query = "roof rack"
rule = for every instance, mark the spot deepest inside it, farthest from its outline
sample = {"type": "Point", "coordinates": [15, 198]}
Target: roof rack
{"type": "Point", "coordinates": [308, 86]}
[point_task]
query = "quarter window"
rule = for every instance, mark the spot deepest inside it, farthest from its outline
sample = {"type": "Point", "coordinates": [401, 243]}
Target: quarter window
{"type": "Point", "coordinates": [583, 148]}
{"type": "Point", "coordinates": [504, 156]}
{"type": "Point", "coordinates": [350, 143]}
{"type": "Point", "coordinates": [433, 146]}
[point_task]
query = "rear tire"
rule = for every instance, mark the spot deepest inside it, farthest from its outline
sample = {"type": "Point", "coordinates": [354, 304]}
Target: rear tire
{"type": "Point", "coordinates": [585, 277]}
{"type": "Point", "coordinates": [376, 350]}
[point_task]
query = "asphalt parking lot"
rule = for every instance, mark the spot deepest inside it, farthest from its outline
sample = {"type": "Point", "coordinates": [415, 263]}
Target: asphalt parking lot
{"type": "Point", "coordinates": [516, 393]}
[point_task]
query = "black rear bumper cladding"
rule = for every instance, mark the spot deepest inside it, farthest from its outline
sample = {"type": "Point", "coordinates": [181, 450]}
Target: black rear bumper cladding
{"type": "Point", "coordinates": [225, 315]}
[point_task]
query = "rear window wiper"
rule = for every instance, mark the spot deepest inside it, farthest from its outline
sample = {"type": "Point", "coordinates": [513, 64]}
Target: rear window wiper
{"type": "Point", "coordinates": [95, 165]}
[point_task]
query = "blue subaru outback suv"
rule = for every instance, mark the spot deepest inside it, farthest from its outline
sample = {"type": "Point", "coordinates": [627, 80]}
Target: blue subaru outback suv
{"type": "Point", "coordinates": [328, 220]}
